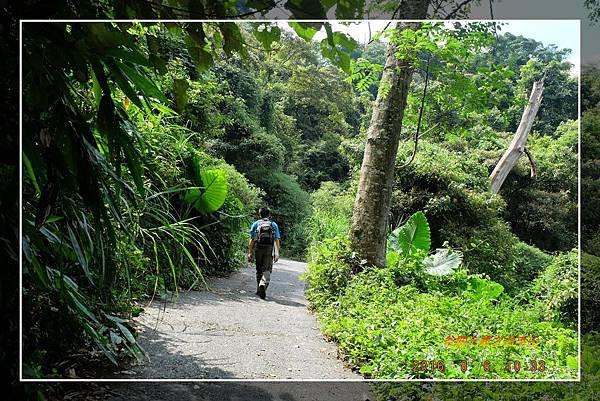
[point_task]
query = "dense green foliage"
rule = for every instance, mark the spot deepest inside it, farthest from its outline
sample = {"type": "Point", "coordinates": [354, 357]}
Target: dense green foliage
{"type": "Point", "coordinates": [385, 319]}
{"type": "Point", "coordinates": [149, 148]}
{"type": "Point", "coordinates": [509, 268]}
{"type": "Point", "coordinates": [587, 389]}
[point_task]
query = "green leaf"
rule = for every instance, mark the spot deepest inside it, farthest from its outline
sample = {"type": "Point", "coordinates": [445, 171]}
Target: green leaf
{"type": "Point", "coordinates": [104, 36]}
{"type": "Point", "coordinates": [81, 258]}
{"type": "Point", "coordinates": [442, 262]}
{"type": "Point", "coordinates": [31, 173]}
{"type": "Point", "coordinates": [338, 47]}
{"type": "Point", "coordinates": [133, 159]}
{"type": "Point", "coordinates": [306, 30]}
{"type": "Point", "coordinates": [129, 55]}
{"type": "Point", "coordinates": [180, 87]}
{"type": "Point", "coordinates": [213, 193]}
{"type": "Point", "coordinates": [123, 82]}
{"type": "Point", "coordinates": [306, 9]}
{"type": "Point", "coordinates": [266, 34]}
{"type": "Point", "coordinates": [97, 337]}
{"type": "Point", "coordinates": [198, 48]}
{"type": "Point", "coordinates": [572, 362]}
{"type": "Point", "coordinates": [142, 83]}
{"type": "Point", "coordinates": [349, 9]}
{"type": "Point", "coordinates": [479, 288]}
{"type": "Point", "coordinates": [126, 333]}
{"type": "Point", "coordinates": [413, 235]}
{"type": "Point", "coordinates": [232, 38]}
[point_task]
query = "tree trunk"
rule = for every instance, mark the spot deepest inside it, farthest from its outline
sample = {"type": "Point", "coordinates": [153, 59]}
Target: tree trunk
{"type": "Point", "coordinates": [368, 231]}
{"type": "Point", "coordinates": [517, 146]}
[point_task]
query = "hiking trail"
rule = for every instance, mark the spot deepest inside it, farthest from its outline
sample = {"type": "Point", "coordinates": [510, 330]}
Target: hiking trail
{"type": "Point", "coordinates": [228, 332]}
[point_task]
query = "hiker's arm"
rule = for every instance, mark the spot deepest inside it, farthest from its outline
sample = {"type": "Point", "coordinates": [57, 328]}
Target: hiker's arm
{"type": "Point", "coordinates": [277, 248]}
{"type": "Point", "coordinates": [251, 249]}
{"type": "Point", "coordinates": [276, 243]}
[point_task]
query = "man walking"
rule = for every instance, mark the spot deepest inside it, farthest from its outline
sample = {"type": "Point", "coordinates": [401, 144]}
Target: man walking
{"type": "Point", "coordinates": [263, 248]}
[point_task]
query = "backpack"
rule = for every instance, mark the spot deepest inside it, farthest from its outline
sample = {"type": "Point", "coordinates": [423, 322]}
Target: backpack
{"type": "Point", "coordinates": [265, 233]}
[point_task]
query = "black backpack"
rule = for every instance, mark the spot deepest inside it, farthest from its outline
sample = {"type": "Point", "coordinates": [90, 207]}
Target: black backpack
{"type": "Point", "coordinates": [265, 233]}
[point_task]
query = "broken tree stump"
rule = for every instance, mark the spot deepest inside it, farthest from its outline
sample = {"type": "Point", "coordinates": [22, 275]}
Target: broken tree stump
{"type": "Point", "coordinates": [517, 146]}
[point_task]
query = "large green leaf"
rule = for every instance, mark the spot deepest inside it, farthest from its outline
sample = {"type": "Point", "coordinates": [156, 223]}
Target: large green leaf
{"type": "Point", "coordinates": [442, 262]}
{"type": "Point", "coordinates": [338, 47]}
{"type": "Point", "coordinates": [483, 289]}
{"type": "Point", "coordinates": [215, 190]}
{"type": "Point", "coordinates": [212, 195]}
{"type": "Point", "coordinates": [232, 38]}
{"type": "Point", "coordinates": [198, 48]}
{"type": "Point", "coordinates": [306, 30]}
{"type": "Point", "coordinates": [412, 236]}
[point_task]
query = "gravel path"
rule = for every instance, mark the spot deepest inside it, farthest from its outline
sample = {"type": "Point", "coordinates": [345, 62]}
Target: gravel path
{"type": "Point", "coordinates": [230, 333]}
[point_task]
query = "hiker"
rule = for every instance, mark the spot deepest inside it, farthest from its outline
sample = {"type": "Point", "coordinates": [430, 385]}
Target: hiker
{"type": "Point", "coordinates": [263, 248]}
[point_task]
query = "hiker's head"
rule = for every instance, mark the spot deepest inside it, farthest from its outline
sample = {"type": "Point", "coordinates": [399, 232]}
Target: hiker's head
{"type": "Point", "coordinates": [264, 212]}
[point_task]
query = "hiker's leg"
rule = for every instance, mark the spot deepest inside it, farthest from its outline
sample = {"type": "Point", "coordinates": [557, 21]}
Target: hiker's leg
{"type": "Point", "coordinates": [259, 255]}
{"type": "Point", "coordinates": [267, 267]}
{"type": "Point", "coordinates": [266, 278]}
{"type": "Point", "coordinates": [259, 267]}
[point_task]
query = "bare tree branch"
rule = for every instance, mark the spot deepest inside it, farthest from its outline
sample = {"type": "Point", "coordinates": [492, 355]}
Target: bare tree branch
{"type": "Point", "coordinates": [532, 163]}
{"type": "Point", "coordinates": [414, 153]}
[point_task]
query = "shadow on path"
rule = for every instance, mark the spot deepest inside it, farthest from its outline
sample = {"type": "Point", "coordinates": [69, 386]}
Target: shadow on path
{"type": "Point", "coordinates": [228, 332]}
{"type": "Point", "coordinates": [242, 392]}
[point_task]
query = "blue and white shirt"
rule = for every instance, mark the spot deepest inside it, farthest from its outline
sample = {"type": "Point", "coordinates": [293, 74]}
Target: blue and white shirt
{"type": "Point", "coordinates": [253, 233]}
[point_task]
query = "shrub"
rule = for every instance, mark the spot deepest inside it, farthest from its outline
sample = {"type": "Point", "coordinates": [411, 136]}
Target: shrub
{"type": "Point", "coordinates": [586, 389]}
{"type": "Point", "coordinates": [529, 262]}
{"type": "Point", "coordinates": [328, 270]}
{"type": "Point", "coordinates": [557, 287]}
{"type": "Point", "coordinates": [174, 158]}
{"type": "Point", "coordinates": [331, 213]}
{"type": "Point", "coordinates": [228, 228]}
{"type": "Point", "coordinates": [452, 190]}
{"type": "Point", "coordinates": [590, 288]}
{"type": "Point", "coordinates": [382, 329]}
{"type": "Point", "coordinates": [386, 318]}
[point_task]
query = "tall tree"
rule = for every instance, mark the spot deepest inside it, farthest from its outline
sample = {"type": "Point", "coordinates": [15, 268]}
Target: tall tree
{"type": "Point", "coordinates": [372, 205]}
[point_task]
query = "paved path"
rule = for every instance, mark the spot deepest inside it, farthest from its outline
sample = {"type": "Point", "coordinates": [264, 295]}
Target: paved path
{"type": "Point", "coordinates": [230, 333]}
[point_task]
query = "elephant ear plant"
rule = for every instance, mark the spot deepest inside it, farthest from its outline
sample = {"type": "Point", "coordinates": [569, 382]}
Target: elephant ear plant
{"type": "Point", "coordinates": [413, 240]}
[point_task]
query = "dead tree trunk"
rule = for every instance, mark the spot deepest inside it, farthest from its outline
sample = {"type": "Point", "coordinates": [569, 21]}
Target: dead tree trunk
{"type": "Point", "coordinates": [517, 146]}
{"type": "Point", "coordinates": [368, 231]}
